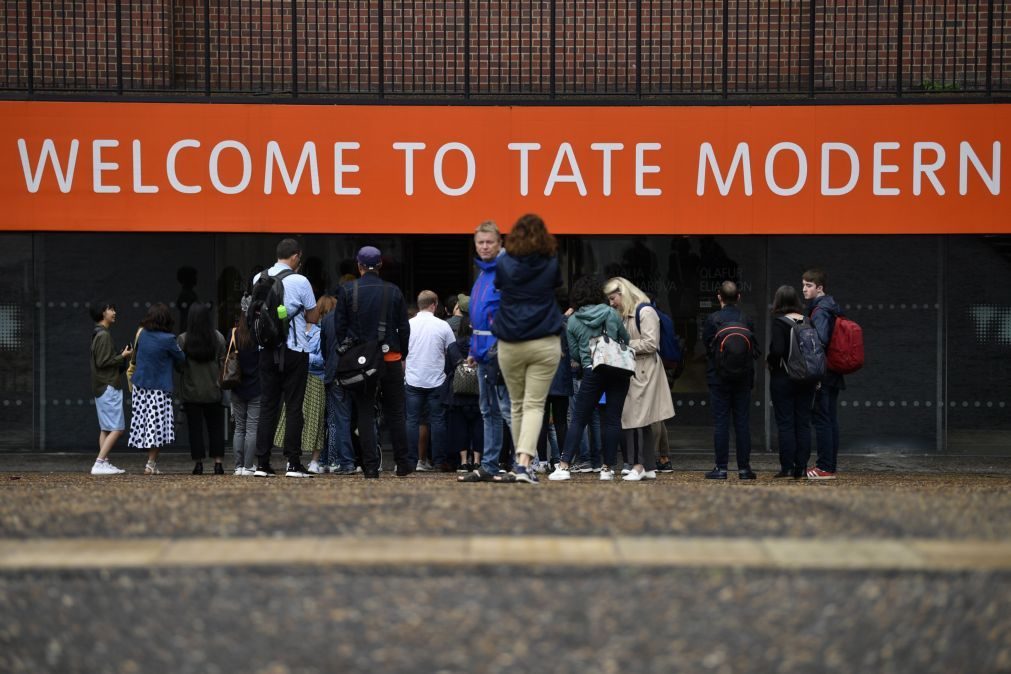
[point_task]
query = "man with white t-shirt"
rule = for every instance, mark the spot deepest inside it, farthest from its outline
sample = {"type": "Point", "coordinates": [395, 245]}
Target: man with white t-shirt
{"type": "Point", "coordinates": [283, 371]}
{"type": "Point", "coordinates": [425, 376]}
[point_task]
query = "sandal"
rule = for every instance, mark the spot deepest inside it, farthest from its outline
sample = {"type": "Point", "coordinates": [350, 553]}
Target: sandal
{"type": "Point", "coordinates": [480, 475]}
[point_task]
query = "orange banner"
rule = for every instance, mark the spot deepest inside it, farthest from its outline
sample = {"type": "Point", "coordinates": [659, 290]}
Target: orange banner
{"type": "Point", "coordinates": [586, 170]}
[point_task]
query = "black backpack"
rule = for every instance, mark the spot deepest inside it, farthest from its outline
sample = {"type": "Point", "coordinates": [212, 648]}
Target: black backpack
{"type": "Point", "coordinates": [269, 328]}
{"type": "Point", "coordinates": [734, 351]}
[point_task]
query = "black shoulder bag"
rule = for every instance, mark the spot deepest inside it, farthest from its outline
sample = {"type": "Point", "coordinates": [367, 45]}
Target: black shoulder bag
{"type": "Point", "coordinates": [363, 361]}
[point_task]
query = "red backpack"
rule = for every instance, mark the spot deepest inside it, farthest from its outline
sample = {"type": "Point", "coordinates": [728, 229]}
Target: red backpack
{"type": "Point", "coordinates": [845, 352]}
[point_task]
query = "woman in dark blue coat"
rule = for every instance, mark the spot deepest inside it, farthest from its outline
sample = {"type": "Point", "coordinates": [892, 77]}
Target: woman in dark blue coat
{"type": "Point", "coordinates": [528, 325]}
{"type": "Point", "coordinates": [791, 400]}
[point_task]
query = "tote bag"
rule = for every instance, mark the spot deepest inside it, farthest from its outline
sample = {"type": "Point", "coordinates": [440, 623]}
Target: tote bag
{"type": "Point", "coordinates": [610, 355]}
{"type": "Point", "coordinates": [231, 372]}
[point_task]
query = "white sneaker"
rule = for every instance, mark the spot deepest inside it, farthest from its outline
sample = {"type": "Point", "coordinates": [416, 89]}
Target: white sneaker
{"type": "Point", "coordinates": [239, 470]}
{"type": "Point", "coordinates": [105, 468]}
{"type": "Point", "coordinates": [560, 474]}
{"type": "Point", "coordinates": [424, 467]}
{"type": "Point", "coordinates": [314, 468]}
{"type": "Point", "coordinates": [649, 475]}
{"type": "Point", "coordinates": [606, 474]}
{"type": "Point", "coordinates": [633, 475]}
{"type": "Point", "coordinates": [151, 468]}
{"type": "Point", "coordinates": [626, 469]}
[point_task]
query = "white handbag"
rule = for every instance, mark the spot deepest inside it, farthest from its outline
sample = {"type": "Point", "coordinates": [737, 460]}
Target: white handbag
{"type": "Point", "coordinates": [610, 354]}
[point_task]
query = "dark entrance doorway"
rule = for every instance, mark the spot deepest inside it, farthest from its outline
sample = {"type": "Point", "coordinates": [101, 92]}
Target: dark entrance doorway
{"type": "Point", "coordinates": [443, 264]}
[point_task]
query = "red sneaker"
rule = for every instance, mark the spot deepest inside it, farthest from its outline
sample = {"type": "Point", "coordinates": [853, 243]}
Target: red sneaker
{"type": "Point", "coordinates": [819, 474]}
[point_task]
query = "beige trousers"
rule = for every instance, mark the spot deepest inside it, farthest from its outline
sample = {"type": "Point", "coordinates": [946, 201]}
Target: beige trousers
{"type": "Point", "coordinates": [528, 368]}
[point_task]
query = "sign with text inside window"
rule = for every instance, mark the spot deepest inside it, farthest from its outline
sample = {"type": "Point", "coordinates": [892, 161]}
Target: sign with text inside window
{"type": "Point", "coordinates": [426, 169]}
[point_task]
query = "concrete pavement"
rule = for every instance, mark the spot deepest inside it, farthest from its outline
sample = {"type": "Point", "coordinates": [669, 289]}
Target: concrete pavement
{"type": "Point", "coordinates": [883, 570]}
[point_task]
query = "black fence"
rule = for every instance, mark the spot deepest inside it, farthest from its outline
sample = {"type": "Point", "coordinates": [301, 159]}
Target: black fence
{"type": "Point", "coordinates": [517, 50]}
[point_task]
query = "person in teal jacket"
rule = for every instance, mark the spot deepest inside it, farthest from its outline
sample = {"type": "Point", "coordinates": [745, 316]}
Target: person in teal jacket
{"type": "Point", "coordinates": [593, 317]}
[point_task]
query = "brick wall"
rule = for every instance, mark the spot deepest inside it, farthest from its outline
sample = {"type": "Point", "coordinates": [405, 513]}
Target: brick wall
{"type": "Point", "coordinates": [337, 45]}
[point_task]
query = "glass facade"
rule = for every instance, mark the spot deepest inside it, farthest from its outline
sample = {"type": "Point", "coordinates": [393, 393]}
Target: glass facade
{"type": "Point", "coordinates": [936, 313]}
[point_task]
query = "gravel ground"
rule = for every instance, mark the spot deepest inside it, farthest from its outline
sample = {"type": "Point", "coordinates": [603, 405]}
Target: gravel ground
{"type": "Point", "coordinates": [867, 505]}
{"type": "Point", "coordinates": [504, 620]}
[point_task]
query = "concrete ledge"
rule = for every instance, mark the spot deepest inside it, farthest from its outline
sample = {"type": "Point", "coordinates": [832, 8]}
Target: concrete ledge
{"type": "Point", "coordinates": [668, 551]}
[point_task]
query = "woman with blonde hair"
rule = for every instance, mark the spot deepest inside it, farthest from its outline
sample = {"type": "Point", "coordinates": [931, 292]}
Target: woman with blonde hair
{"type": "Point", "coordinates": [528, 325]}
{"type": "Point", "coordinates": [314, 403]}
{"type": "Point", "coordinates": [648, 403]}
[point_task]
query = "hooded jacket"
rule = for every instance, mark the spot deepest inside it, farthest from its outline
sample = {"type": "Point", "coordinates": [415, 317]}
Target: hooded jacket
{"type": "Point", "coordinates": [528, 309]}
{"type": "Point", "coordinates": [590, 321]}
{"type": "Point", "coordinates": [822, 312]}
{"type": "Point", "coordinates": [484, 304]}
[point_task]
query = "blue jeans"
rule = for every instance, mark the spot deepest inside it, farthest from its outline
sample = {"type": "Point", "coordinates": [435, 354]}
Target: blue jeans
{"type": "Point", "coordinates": [593, 385]}
{"type": "Point", "coordinates": [731, 401]}
{"type": "Point", "coordinates": [495, 407]}
{"type": "Point", "coordinates": [792, 404]}
{"type": "Point", "coordinates": [417, 400]}
{"type": "Point", "coordinates": [826, 427]}
{"type": "Point", "coordinates": [338, 450]}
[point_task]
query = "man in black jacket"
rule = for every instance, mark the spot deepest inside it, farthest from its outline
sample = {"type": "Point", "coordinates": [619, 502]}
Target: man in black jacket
{"type": "Point", "coordinates": [363, 326]}
{"type": "Point", "coordinates": [730, 375]}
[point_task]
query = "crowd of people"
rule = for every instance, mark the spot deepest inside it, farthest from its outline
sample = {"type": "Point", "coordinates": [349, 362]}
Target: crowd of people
{"type": "Point", "coordinates": [514, 380]}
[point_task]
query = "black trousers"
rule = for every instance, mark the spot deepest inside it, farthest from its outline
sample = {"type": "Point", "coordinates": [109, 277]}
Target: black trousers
{"type": "Point", "coordinates": [558, 408]}
{"type": "Point", "coordinates": [390, 383]}
{"type": "Point", "coordinates": [211, 415]}
{"type": "Point", "coordinates": [277, 385]}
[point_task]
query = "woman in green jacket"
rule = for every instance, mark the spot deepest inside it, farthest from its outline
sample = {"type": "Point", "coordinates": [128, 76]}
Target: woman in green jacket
{"type": "Point", "coordinates": [594, 318]}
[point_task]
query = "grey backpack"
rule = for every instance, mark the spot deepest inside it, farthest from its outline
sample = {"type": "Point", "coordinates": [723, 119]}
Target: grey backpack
{"type": "Point", "coordinates": [805, 361]}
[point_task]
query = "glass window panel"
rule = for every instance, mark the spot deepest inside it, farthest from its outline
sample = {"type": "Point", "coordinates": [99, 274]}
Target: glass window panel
{"type": "Point", "coordinates": [889, 285]}
{"type": "Point", "coordinates": [978, 344]}
{"type": "Point", "coordinates": [17, 343]}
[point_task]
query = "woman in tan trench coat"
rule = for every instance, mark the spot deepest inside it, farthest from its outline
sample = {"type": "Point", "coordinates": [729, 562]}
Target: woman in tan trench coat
{"type": "Point", "coordinates": [648, 403]}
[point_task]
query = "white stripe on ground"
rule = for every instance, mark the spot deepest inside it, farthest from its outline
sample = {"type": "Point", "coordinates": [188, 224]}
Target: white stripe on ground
{"type": "Point", "coordinates": [669, 551]}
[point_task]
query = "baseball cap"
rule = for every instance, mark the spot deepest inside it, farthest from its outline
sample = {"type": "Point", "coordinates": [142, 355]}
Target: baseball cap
{"type": "Point", "coordinates": [369, 256]}
{"type": "Point", "coordinates": [463, 301]}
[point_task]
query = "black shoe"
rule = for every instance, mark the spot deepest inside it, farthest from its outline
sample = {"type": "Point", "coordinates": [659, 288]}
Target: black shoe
{"type": "Point", "coordinates": [404, 471]}
{"type": "Point", "coordinates": [219, 469]}
{"type": "Point", "coordinates": [746, 474]}
{"type": "Point", "coordinates": [782, 473]}
{"type": "Point", "coordinates": [665, 467]}
{"type": "Point", "coordinates": [717, 473]}
{"type": "Point", "coordinates": [798, 473]}
{"type": "Point", "coordinates": [198, 468]}
{"type": "Point", "coordinates": [371, 475]}
{"type": "Point", "coordinates": [297, 470]}
{"type": "Point", "coordinates": [264, 470]}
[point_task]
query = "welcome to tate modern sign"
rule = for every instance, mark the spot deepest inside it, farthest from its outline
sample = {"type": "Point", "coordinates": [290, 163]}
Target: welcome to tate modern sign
{"type": "Point", "coordinates": [421, 169]}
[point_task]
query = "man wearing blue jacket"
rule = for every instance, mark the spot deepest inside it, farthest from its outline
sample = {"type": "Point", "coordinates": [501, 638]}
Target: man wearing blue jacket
{"type": "Point", "coordinates": [484, 303]}
{"type": "Point", "coordinates": [822, 309]}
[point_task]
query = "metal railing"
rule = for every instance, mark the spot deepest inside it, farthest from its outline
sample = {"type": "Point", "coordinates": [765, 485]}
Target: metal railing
{"type": "Point", "coordinates": [521, 50]}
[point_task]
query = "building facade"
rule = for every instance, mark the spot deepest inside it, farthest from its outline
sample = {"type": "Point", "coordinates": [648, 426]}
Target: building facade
{"type": "Point", "coordinates": [872, 137]}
